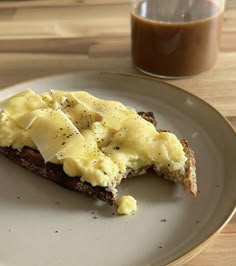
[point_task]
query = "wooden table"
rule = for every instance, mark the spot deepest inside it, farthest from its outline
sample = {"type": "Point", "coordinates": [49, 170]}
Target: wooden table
{"type": "Point", "coordinates": [39, 38]}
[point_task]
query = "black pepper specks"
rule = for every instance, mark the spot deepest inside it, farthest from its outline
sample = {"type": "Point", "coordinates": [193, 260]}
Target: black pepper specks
{"type": "Point", "coordinates": [117, 148]}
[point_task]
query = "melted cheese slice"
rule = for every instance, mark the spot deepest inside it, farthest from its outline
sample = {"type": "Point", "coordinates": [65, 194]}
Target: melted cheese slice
{"type": "Point", "coordinates": [23, 103]}
{"type": "Point", "coordinates": [114, 113]}
{"type": "Point", "coordinates": [52, 132]}
{"type": "Point", "coordinates": [59, 100]}
{"type": "Point", "coordinates": [26, 120]}
{"type": "Point", "coordinates": [82, 116]}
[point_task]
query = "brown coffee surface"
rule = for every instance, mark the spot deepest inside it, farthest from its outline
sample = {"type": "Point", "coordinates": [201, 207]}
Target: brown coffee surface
{"type": "Point", "coordinates": [169, 42]}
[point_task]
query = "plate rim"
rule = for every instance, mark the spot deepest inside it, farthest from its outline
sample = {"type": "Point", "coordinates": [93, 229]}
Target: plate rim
{"type": "Point", "coordinates": [198, 248]}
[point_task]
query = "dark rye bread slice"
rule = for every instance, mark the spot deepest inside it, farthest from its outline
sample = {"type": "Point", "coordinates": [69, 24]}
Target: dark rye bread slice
{"type": "Point", "coordinates": [33, 161]}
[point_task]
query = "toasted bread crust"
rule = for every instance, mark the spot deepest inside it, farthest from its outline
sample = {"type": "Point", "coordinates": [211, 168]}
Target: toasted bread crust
{"type": "Point", "coordinates": [189, 180]}
{"type": "Point", "coordinates": [33, 161]}
{"type": "Point", "coordinates": [149, 116]}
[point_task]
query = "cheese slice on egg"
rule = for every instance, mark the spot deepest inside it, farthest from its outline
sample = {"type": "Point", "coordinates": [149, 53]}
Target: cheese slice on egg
{"type": "Point", "coordinates": [113, 113]}
{"type": "Point", "coordinates": [52, 132]}
{"type": "Point", "coordinates": [82, 116]}
{"type": "Point", "coordinates": [23, 103]}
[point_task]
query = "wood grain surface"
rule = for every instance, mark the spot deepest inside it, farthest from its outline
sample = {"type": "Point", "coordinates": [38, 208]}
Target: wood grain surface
{"type": "Point", "coordinates": [39, 38]}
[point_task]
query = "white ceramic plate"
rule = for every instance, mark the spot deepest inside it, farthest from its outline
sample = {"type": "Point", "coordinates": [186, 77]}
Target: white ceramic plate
{"type": "Point", "coordinates": [44, 224]}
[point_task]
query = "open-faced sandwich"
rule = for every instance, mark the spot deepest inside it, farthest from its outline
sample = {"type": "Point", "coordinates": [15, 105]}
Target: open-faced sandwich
{"type": "Point", "coordinates": [89, 144]}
